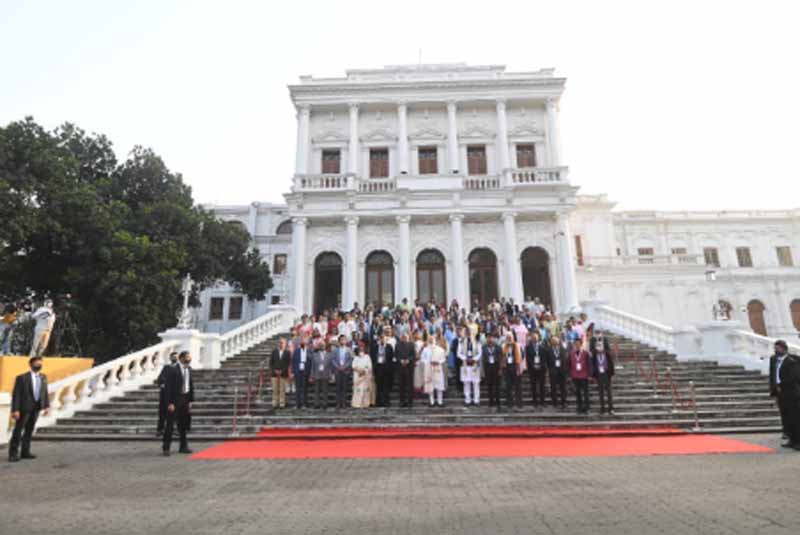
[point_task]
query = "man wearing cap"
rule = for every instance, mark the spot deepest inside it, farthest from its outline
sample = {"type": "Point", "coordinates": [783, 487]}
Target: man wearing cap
{"type": "Point", "coordinates": [785, 385]}
{"type": "Point", "coordinates": [27, 400]}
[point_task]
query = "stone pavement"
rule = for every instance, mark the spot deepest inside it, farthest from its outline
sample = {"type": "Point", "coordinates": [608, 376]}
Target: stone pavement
{"type": "Point", "coordinates": [95, 487]}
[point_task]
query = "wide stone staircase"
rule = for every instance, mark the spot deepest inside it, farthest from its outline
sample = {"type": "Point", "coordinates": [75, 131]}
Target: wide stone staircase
{"type": "Point", "coordinates": [728, 399]}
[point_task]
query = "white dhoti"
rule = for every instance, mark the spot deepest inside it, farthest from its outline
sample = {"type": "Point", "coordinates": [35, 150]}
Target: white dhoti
{"type": "Point", "coordinates": [471, 378]}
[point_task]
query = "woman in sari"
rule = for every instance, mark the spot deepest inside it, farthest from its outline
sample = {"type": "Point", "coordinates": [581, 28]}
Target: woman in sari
{"type": "Point", "coordinates": [362, 380]}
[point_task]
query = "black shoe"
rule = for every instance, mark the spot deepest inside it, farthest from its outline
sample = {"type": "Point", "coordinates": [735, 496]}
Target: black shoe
{"type": "Point", "coordinates": [791, 445]}
{"type": "Point", "coordinates": [165, 453]}
{"type": "Point", "coordinates": [185, 450]}
{"type": "Point", "coordinates": [13, 458]}
{"type": "Point", "coordinates": [159, 433]}
{"type": "Point", "coordinates": [27, 456]}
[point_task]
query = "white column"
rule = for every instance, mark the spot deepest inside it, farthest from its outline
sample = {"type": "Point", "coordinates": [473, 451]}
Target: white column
{"type": "Point", "coordinates": [351, 263]}
{"type": "Point", "coordinates": [301, 161]}
{"type": "Point", "coordinates": [552, 133]}
{"type": "Point", "coordinates": [457, 255]}
{"type": "Point", "coordinates": [566, 263]}
{"type": "Point", "coordinates": [353, 149]}
{"type": "Point", "coordinates": [402, 138]}
{"type": "Point", "coordinates": [404, 262]}
{"type": "Point", "coordinates": [513, 274]}
{"type": "Point", "coordinates": [452, 137]}
{"type": "Point", "coordinates": [299, 254]}
{"type": "Point", "coordinates": [502, 139]}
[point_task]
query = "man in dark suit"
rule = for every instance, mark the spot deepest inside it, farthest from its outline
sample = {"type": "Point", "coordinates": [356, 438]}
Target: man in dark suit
{"type": "Point", "coordinates": [556, 358]}
{"type": "Point", "coordinates": [534, 359]}
{"type": "Point", "coordinates": [603, 371]}
{"type": "Point", "coordinates": [490, 362]}
{"type": "Point", "coordinates": [301, 367]}
{"type": "Point", "coordinates": [787, 389]}
{"type": "Point", "coordinates": [179, 394]}
{"type": "Point", "coordinates": [775, 361]}
{"type": "Point", "coordinates": [28, 398]}
{"type": "Point", "coordinates": [405, 355]}
{"type": "Point", "coordinates": [162, 404]}
{"type": "Point", "coordinates": [279, 362]}
{"type": "Point", "coordinates": [382, 356]}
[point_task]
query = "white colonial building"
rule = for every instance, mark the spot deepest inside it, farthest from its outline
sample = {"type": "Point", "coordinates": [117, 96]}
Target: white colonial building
{"type": "Point", "coordinates": [446, 182]}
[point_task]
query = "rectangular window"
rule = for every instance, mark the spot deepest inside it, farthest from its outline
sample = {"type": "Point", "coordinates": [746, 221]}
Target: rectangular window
{"type": "Point", "coordinates": [784, 256]}
{"type": "Point", "coordinates": [579, 249]}
{"type": "Point", "coordinates": [379, 163]}
{"type": "Point", "coordinates": [644, 253]}
{"type": "Point", "coordinates": [476, 160]}
{"type": "Point", "coordinates": [215, 310]}
{"type": "Point", "coordinates": [526, 156]}
{"type": "Point", "coordinates": [683, 256]}
{"type": "Point", "coordinates": [235, 308]}
{"type": "Point", "coordinates": [711, 255]}
{"type": "Point", "coordinates": [276, 300]}
{"type": "Point", "coordinates": [279, 264]}
{"type": "Point", "coordinates": [331, 161]}
{"type": "Point", "coordinates": [743, 257]}
{"type": "Point", "coordinates": [427, 161]}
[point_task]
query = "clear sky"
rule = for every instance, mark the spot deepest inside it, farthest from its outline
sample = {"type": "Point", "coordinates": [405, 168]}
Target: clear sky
{"type": "Point", "coordinates": [669, 105]}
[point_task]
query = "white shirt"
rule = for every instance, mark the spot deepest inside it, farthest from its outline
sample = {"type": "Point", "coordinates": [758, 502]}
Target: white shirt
{"type": "Point", "coordinates": [778, 365]}
{"type": "Point", "coordinates": [36, 381]}
{"type": "Point", "coordinates": [185, 372]}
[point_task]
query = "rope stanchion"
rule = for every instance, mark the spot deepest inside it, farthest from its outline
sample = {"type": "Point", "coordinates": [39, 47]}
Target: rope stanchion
{"type": "Point", "coordinates": [234, 426]}
{"type": "Point", "coordinates": [249, 395]}
{"type": "Point", "coordinates": [654, 374]}
{"type": "Point", "coordinates": [694, 405]}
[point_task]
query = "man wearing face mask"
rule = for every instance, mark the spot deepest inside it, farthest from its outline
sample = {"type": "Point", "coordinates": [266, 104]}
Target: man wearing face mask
{"type": "Point", "coordinates": [161, 382]}
{"type": "Point", "coordinates": [27, 400]}
{"type": "Point", "coordinates": [785, 384]}
{"type": "Point", "coordinates": [179, 394]}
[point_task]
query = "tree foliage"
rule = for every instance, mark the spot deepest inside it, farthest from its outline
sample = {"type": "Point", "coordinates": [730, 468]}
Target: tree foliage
{"type": "Point", "coordinates": [117, 236]}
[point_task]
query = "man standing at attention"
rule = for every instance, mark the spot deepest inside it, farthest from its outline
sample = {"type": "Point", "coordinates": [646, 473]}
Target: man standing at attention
{"type": "Point", "coordinates": [342, 368]}
{"type": "Point", "coordinates": [27, 400]}
{"type": "Point", "coordinates": [161, 382]}
{"type": "Point", "coordinates": [785, 383]}
{"type": "Point", "coordinates": [179, 393]}
{"type": "Point", "coordinates": [279, 367]}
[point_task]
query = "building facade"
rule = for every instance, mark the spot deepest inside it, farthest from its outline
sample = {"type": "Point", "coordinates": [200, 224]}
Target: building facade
{"type": "Point", "coordinates": [446, 182]}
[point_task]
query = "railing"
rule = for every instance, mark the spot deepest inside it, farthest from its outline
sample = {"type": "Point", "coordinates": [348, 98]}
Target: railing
{"type": "Point", "coordinates": [321, 182]}
{"type": "Point", "coordinates": [634, 327]}
{"type": "Point", "coordinates": [96, 385]}
{"type": "Point", "coordinates": [481, 182]}
{"type": "Point", "coordinates": [377, 185]}
{"type": "Point", "coordinates": [754, 348]}
{"type": "Point", "coordinates": [252, 333]}
{"type": "Point", "coordinates": [638, 260]}
{"type": "Point", "coordinates": [539, 175]}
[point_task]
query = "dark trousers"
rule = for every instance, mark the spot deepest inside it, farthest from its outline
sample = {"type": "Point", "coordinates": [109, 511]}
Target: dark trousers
{"type": "Point", "coordinates": [321, 393]}
{"type": "Point", "coordinates": [457, 368]}
{"type": "Point", "coordinates": [405, 384]}
{"type": "Point", "coordinates": [492, 384]}
{"type": "Point", "coordinates": [181, 417]}
{"type": "Point", "coordinates": [782, 413]}
{"type": "Point", "coordinates": [341, 389]}
{"type": "Point", "coordinates": [790, 413]}
{"type": "Point", "coordinates": [300, 383]}
{"type": "Point", "coordinates": [604, 390]}
{"type": "Point", "coordinates": [383, 382]}
{"type": "Point", "coordinates": [558, 388]}
{"type": "Point", "coordinates": [581, 394]}
{"type": "Point", "coordinates": [513, 386]}
{"type": "Point", "coordinates": [23, 431]}
{"type": "Point", "coordinates": [162, 411]}
{"type": "Point", "coordinates": [536, 378]}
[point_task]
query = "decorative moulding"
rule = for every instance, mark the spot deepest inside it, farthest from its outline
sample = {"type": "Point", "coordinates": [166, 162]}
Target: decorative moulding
{"type": "Point", "coordinates": [427, 133]}
{"type": "Point", "coordinates": [330, 135]}
{"type": "Point", "coordinates": [525, 130]}
{"type": "Point", "coordinates": [379, 134]}
{"type": "Point", "coordinates": [476, 131]}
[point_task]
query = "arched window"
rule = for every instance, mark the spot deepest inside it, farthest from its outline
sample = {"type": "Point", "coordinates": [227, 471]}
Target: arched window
{"type": "Point", "coordinates": [284, 228]}
{"type": "Point", "coordinates": [431, 277]}
{"type": "Point", "coordinates": [380, 278]}
{"type": "Point", "coordinates": [795, 309]}
{"type": "Point", "coordinates": [482, 276]}
{"type": "Point", "coordinates": [536, 275]}
{"type": "Point", "coordinates": [755, 311]}
{"type": "Point", "coordinates": [327, 281]}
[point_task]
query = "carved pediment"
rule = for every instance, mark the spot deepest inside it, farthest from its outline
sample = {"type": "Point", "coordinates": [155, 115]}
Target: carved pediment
{"type": "Point", "coordinates": [379, 134]}
{"type": "Point", "coordinates": [427, 133]}
{"type": "Point", "coordinates": [476, 131]}
{"type": "Point", "coordinates": [330, 136]}
{"type": "Point", "coordinates": [525, 130]}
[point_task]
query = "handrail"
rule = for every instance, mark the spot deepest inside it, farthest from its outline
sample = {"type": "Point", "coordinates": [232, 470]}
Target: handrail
{"type": "Point", "coordinates": [251, 333]}
{"type": "Point", "coordinates": [640, 329]}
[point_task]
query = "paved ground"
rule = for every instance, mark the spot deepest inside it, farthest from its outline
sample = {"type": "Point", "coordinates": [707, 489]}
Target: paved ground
{"type": "Point", "coordinates": [91, 488]}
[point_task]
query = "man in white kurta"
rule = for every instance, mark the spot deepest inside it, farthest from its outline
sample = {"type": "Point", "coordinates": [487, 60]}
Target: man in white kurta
{"type": "Point", "coordinates": [45, 319]}
{"type": "Point", "coordinates": [433, 359]}
{"type": "Point", "coordinates": [469, 352]}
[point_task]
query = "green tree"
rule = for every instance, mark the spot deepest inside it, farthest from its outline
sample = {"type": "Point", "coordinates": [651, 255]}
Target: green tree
{"type": "Point", "coordinates": [118, 237]}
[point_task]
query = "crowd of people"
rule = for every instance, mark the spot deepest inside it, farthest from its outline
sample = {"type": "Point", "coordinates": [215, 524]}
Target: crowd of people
{"type": "Point", "coordinates": [418, 350]}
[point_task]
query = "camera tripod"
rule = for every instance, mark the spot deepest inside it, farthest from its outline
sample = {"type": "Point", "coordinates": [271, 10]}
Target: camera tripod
{"type": "Point", "coordinates": [65, 326]}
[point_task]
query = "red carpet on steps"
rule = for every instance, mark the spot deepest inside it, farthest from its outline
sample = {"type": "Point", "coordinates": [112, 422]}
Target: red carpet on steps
{"type": "Point", "coordinates": [454, 448]}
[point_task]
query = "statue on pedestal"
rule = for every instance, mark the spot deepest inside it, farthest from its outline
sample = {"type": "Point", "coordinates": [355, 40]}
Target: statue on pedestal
{"type": "Point", "coordinates": [185, 316]}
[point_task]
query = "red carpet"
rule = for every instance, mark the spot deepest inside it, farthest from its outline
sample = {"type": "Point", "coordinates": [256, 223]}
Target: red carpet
{"type": "Point", "coordinates": [310, 433]}
{"type": "Point", "coordinates": [453, 448]}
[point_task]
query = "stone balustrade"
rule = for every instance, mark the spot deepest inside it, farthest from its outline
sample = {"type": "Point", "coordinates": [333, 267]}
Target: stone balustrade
{"type": "Point", "coordinates": [322, 182]}
{"type": "Point", "coordinates": [481, 182]}
{"type": "Point", "coordinates": [539, 175]}
{"type": "Point", "coordinates": [643, 260]}
{"type": "Point", "coordinates": [377, 185]}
